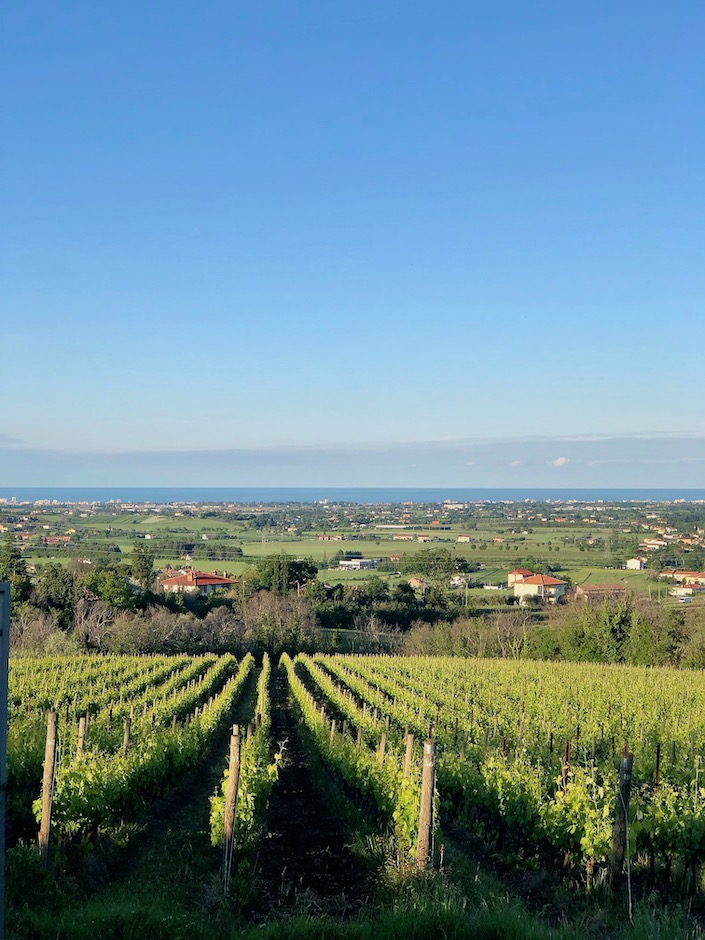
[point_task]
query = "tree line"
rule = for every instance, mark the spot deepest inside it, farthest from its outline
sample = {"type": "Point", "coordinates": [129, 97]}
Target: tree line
{"type": "Point", "coordinates": [281, 604]}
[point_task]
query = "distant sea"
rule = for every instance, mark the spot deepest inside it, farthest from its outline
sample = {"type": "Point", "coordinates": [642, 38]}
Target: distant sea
{"type": "Point", "coordinates": [269, 495]}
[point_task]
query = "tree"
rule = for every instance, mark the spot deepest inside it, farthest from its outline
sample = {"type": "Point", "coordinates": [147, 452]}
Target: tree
{"type": "Point", "coordinates": [93, 624]}
{"type": "Point", "coordinates": [111, 587]}
{"type": "Point", "coordinates": [143, 557]}
{"type": "Point", "coordinates": [280, 573]}
{"type": "Point", "coordinates": [13, 568]}
{"type": "Point", "coordinates": [56, 591]}
{"type": "Point", "coordinates": [376, 589]}
{"type": "Point", "coordinates": [316, 591]}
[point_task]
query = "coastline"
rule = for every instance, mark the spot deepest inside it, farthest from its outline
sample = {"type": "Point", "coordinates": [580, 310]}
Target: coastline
{"type": "Point", "coordinates": [333, 494]}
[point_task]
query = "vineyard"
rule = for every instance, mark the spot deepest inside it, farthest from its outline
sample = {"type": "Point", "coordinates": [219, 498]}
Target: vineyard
{"type": "Point", "coordinates": [595, 772]}
{"type": "Point", "coordinates": [536, 748]}
{"type": "Point", "coordinates": [120, 732]}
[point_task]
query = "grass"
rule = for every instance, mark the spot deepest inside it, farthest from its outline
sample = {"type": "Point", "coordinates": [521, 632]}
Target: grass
{"type": "Point", "coordinates": [460, 903]}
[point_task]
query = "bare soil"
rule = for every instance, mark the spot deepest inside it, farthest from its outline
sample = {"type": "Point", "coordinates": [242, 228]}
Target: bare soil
{"type": "Point", "coordinates": [305, 862]}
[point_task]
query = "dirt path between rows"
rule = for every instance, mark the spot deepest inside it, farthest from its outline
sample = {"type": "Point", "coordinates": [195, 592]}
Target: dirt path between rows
{"type": "Point", "coordinates": [304, 863]}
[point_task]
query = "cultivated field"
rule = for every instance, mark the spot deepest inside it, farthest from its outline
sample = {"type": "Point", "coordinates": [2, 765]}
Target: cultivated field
{"type": "Point", "coordinates": [591, 772]}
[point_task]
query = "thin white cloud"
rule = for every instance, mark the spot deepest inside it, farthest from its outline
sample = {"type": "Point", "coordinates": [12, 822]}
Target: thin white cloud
{"type": "Point", "coordinates": [649, 461]}
{"type": "Point", "coordinates": [559, 462]}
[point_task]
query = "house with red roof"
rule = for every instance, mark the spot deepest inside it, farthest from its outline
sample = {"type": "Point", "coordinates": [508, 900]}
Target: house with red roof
{"type": "Point", "coordinates": [542, 586]}
{"type": "Point", "coordinates": [518, 575]}
{"type": "Point", "coordinates": [691, 577]}
{"type": "Point", "coordinates": [188, 581]}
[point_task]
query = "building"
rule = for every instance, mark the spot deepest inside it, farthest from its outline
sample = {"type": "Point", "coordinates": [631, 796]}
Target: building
{"type": "Point", "coordinates": [542, 586]}
{"type": "Point", "coordinates": [518, 575]}
{"type": "Point", "coordinates": [358, 564]}
{"type": "Point", "coordinates": [686, 590]}
{"type": "Point", "coordinates": [690, 577]}
{"type": "Point", "coordinates": [188, 581]}
{"type": "Point", "coordinates": [653, 545]}
{"type": "Point", "coordinates": [635, 564]}
{"type": "Point", "coordinates": [594, 593]}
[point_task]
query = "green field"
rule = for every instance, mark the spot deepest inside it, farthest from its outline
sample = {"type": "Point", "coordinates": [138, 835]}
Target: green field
{"type": "Point", "coordinates": [579, 543]}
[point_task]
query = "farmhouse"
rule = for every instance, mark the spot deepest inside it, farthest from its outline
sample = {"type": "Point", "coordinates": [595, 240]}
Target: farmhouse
{"type": "Point", "coordinates": [542, 586]}
{"type": "Point", "coordinates": [652, 545]}
{"type": "Point", "coordinates": [691, 577]}
{"type": "Point", "coordinates": [188, 581]}
{"type": "Point", "coordinates": [635, 564]}
{"type": "Point", "coordinates": [594, 593]}
{"type": "Point", "coordinates": [518, 575]}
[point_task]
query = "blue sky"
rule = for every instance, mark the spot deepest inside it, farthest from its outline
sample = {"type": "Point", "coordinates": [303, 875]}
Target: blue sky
{"type": "Point", "coordinates": [352, 243]}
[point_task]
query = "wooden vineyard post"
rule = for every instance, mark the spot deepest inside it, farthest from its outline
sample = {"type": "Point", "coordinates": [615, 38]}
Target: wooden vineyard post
{"type": "Point", "coordinates": [81, 737]}
{"type": "Point", "coordinates": [382, 748]}
{"type": "Point", "coordinates": [48, 783]}
{"type": "Point", "coordinates": [231, 793]}
{"type": "Point", "coordinates": [409, 755]}
{"type": "Point", "coordinates": [126, 736]}
{"type": "Point", "coordinates": [565, 769]}
{"type": "Point", "coordinates": [428, 779]}
{"type": "Point", "coordinates": [621, 815]}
